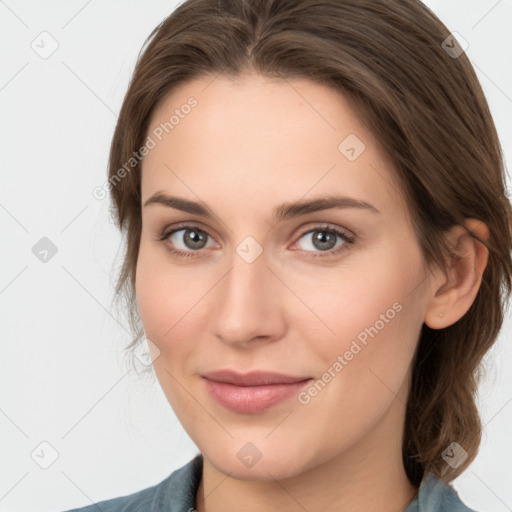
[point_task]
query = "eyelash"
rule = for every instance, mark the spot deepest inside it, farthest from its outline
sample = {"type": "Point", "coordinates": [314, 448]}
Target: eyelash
{"type": "Point", "coordinates": [349, 240]}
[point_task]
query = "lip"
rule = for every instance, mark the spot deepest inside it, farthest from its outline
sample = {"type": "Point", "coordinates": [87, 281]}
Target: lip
{"type": "Point", "coordinates": [252, 392]}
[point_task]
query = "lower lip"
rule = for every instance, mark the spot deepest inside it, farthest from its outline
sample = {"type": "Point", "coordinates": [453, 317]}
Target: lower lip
{"type": "Point", "coordinates": [250, 399]}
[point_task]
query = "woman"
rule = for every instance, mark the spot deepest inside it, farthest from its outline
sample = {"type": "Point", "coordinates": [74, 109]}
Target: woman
{"type": "Point", "coordinates": [313, 198]}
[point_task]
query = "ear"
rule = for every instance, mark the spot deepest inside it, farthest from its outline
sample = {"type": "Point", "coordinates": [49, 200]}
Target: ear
{"type": "Point", "coordinates": [454, 292]}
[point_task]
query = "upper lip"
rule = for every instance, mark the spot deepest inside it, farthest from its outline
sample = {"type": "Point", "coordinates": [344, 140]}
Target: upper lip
{"type": "Point", "coordinates": [254, 378]}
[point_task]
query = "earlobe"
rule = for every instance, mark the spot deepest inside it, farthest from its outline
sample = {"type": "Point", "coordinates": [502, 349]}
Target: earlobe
{"type": "Point", "coordinates": [454, 292]}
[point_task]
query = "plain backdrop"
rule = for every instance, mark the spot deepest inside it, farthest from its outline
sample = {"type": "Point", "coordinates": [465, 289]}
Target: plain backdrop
{"type": "Point", "coordinates": [67, 398]}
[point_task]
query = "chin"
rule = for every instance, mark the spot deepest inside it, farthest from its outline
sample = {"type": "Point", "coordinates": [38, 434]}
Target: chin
{"type": "Point", "coordinates": [264, 461]}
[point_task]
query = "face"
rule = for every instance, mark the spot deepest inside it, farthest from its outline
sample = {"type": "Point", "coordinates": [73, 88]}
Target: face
{"type": "Point", "coordinates": [250, 274]}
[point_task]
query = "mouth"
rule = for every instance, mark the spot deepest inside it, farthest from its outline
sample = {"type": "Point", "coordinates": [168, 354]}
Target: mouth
{"type": "Point", "coordinates": [252, 392]}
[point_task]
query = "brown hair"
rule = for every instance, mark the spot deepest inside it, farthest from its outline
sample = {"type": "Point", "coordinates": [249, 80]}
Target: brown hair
{"type": "Point", "coordinates": [424, 104]}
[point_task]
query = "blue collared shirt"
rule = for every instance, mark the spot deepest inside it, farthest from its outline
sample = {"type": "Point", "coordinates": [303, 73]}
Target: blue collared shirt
{"type": "Point", "coordinates": [177, 493]}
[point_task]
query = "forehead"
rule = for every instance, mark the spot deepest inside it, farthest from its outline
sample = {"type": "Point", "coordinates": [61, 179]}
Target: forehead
{"type": "Point", "coordinates": [259, 137]}
{"type": "Point", "coordinates": [251, 108]}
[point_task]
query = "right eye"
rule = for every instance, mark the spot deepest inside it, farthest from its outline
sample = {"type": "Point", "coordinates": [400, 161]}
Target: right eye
{"type": "Point", "coordinates": [185, 240]}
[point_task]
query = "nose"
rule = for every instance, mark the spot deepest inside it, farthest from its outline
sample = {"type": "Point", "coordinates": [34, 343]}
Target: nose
{"type": "Point", "coordinates": [248, 304]}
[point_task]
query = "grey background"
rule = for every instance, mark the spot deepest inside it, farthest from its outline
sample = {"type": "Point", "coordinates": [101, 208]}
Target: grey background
{"type": "Point", "coordinates": [63, 378]}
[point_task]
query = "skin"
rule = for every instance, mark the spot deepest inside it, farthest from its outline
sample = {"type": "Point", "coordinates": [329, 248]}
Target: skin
{"type": "Point", "coordinates": [248, 146]}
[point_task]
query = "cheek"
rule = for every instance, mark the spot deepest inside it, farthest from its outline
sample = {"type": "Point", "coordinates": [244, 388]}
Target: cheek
{"type": "Point", "coordinates": [369, 315]}
{"type": "Point", "coordinates": [166, 306]}
{"type": "Point", "coordinates": [150, 286]}
{"type": "Point", "coordinates": [163, 295]}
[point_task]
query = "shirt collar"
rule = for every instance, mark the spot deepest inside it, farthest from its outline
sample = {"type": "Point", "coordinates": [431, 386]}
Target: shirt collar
{"type": "Point", "coordinates": [178, 492]}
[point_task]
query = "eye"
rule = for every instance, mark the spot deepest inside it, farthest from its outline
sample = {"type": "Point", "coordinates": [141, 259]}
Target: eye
{"type": "Point", "coordinates": [186, 240]}
{"type": "Point", "coordinates": [325, 241]}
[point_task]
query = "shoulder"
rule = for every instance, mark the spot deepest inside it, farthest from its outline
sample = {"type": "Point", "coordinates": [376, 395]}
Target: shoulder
{"type": "Point", "coordinates": [176, 492]}
{"type": "Point", "coordinates": [435, 495]}
{"type": "Point", "coordinates": [138, 501]}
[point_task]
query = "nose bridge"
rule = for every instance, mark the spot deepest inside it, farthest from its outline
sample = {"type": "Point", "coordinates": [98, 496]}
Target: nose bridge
{"type": "Point", "coordinates": [247, 301]}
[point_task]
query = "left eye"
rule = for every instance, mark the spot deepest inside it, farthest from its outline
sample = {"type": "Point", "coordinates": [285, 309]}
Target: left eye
{"type": "Point", "coordinates": [324, 239]}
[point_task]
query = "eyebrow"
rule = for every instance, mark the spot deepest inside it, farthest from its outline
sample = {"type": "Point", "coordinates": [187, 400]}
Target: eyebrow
{"type": "Point", "coordinates": [281, 212]}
